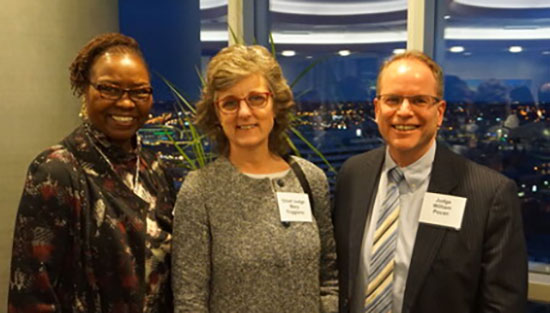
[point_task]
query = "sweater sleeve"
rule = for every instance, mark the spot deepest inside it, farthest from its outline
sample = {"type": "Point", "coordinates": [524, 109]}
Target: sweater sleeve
{"type": "Point", "coordinates": [323, 215]}
{"type": "Point", "coordinates": [191, 249]}
{"type": "Point", "coordinates": [42, 237]}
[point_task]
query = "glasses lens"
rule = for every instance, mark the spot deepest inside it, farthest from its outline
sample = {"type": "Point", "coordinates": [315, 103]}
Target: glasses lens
{"type": "Point", "coordinates": [391, 100]}
{"type": "Point", "coordinates": [109, 92]}
{"type": "Point", "coordinates": [257, 100]}
{"type": "Point", "coordinates": [140, 94]}
{"type": "Point", "coordinates": [421, 101]}
{"type": "Point", "coordinates": [229, 104]}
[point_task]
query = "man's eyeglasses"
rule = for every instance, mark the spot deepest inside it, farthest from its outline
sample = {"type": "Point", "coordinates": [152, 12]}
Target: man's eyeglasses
{"type": "Point", "coordinates": [114, 93]}
{"type": "Point", "coordinates": [417, 101]}
{"type": "Point", "coordinates": [254, 100]}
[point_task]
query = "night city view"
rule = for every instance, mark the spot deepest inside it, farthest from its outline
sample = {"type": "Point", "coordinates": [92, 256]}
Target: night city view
{"type": "Point", "coordinates": [512, 137]}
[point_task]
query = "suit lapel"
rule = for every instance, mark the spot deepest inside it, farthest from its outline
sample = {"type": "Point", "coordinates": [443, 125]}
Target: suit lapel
{"type": "Point", "coordinates": [362, 197]}
{"type": "Point", "coordinates": [443, 179]}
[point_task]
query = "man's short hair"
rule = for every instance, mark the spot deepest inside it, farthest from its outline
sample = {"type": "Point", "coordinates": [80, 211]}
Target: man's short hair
{"type": "Point", "coordinates": [418, 56]}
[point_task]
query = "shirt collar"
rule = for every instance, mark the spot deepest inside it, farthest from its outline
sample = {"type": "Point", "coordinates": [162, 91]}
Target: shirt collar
{"type": "Point", "coordinates": [415, 173]}
{"type": "Point", "coordinates": [114, 152]}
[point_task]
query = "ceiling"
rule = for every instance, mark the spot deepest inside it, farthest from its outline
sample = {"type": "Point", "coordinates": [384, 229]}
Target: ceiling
{"type": "Point", "coordinates": [325, 24]}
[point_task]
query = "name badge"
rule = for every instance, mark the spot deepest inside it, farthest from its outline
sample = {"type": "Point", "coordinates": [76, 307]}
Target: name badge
{"type": "Point", "coordinates": [442, 210]}
{"type": "Point", "coordinates": [294, 207]}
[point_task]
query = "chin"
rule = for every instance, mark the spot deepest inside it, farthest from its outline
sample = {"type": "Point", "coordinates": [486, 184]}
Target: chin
{"type": "Point", "coordinates": [402, 147]}
{"type": "Point", "coordinates": [121, 136]}
{"type": "Point", "coordinates": [248, 144]}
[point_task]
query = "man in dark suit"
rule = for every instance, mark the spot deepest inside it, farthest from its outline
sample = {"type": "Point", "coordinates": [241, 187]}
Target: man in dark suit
{"type": "Point", "coordinates": [451, 240]}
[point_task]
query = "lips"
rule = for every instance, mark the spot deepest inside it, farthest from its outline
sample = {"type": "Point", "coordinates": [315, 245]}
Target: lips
{"type": "Point", "coordinates": [120, 118]}
{"type": "Point", "coordinates": [247, 126]}
{"type": "Point", "coordinates": [405, 127]}
{"type": "Point", "coordinates": [123, 120]}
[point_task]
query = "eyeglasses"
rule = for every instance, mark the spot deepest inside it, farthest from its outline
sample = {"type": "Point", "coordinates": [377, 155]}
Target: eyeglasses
{"type": "Point", "coordinates": [254, 100]}
{"type": "Point", "coordinates": [110, 92]}
{"type": "Point", "coordinates": [416, 101]}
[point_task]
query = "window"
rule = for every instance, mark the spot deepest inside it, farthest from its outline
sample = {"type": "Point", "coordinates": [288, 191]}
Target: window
{"type": "Point", "coordinates": [331, 52]}
{"type": "Point", "coordinates": [497, 84]}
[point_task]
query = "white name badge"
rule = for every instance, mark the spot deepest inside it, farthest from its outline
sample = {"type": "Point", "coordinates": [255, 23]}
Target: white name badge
{"type": "Point", "coordinates": [442, 210]}
{"type": "Point", "coordinates": [294, 207]}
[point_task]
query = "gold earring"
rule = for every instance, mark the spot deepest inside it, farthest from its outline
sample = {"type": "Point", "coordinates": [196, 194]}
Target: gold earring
{"type": "Point", "coordinates": [83, 114]}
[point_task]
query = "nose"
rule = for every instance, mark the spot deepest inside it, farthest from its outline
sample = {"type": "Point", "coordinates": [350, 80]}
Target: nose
{"type": "Point", "coordinates": [244, 109]}
{"type": "Point", "coordinates": [404, 107]}
{"type": "Point", "coordinates": [125, 101]}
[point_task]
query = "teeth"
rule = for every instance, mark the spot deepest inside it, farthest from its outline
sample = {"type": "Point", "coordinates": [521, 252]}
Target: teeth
{"type": "Point", "coordinates": [246, 126]}
{"type": "Point", "coordinates": [404, 127]}
{"type": "Point", "coordinates": [122, 118]}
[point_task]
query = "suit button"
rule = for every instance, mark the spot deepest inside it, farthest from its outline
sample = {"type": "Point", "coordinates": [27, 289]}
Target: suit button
{"type": "Point", "coordinates": [280, 183]}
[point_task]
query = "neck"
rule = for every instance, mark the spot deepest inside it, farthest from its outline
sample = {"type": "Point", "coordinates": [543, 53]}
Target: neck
{"type": "Point", "coordinates": [406, 158]}
{"type": "Point", "coordinates": [256, 161]}
{"type": "Point", "coordinates": [126, 145]}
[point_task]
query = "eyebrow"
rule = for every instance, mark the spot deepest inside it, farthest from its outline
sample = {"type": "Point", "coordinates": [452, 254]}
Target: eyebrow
{"type": "Point", "coordinates": [118, 84]}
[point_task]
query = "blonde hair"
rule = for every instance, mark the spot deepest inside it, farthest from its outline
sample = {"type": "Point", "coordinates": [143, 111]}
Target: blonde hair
{"type": "Point", "coordinates": [227, 68]}
{"type": "Point", "coordinates": [418, 56]}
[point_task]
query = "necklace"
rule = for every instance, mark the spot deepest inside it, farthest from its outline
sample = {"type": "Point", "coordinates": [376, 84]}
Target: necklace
{"type": "Point", "coordinates": [134, 187]}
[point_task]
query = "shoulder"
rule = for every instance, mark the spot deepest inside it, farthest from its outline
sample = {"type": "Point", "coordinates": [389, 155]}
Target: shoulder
{"type": "Point", "coordinates": [56, 162]}
{"type": "Point", "coordinates": [479, 178]}
{"type": "Point", "coordinates": [52, 182]}
{"type": "Point", "coordinates": [212, 175]}
{"type": "Point", "coordinates": [364, 160]}
{"type": "Point", "coordinates": [311, 170]}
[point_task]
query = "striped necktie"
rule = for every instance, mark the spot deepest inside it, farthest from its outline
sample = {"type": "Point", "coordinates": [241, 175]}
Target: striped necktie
{"type": "Point", "coordinates": [378, 297]}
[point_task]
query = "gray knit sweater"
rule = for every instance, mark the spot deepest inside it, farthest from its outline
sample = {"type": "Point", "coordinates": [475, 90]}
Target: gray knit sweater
{"type": "Point", "coordinates": [231, 253]}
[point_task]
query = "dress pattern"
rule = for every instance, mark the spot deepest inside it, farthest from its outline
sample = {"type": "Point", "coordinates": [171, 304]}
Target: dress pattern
{"type": "Point", "coordinates": [84, 240]}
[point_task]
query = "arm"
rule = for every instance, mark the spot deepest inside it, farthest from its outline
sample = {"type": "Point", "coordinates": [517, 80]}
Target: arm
{"type": "Point", "coordinates": [41, 237]}
{"type": "Point", "coordinates": [503, 285]}
{"type": "Point", "coordinates": [191, 249]}
{"type": "Point", "coordinates": [329, 274]}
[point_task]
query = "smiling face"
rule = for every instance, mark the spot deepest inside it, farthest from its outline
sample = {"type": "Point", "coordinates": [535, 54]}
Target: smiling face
{"type": "Point", "coordinates": [408, 131]}
{"type": "Point", "coordinates": [247, 128]}
{"type": "Point", "coordinates": [118, 119]}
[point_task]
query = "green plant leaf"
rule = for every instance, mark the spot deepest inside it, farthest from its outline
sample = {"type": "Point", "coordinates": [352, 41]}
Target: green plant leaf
{"type": "Point", "coordinates": [236, 39]}
{"type": "Point", "coordinates": [190, 162]}
{"type": "Point", "coordinates": [179, 95]}
{"type": "Point", "coordinates": [292, 145]}
{"type": "Point", "coordinates": [312, 147]}
{"type": "Point", "coordinates": [202, 79]}
{"type": "Point", "coordinates": [272, 44]}
{"type": "Point", "coordinates": [305, 71]}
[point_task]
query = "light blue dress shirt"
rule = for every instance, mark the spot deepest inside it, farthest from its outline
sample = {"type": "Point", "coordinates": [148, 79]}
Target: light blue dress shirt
{"type": "Point", "coordinates": [411, 195]}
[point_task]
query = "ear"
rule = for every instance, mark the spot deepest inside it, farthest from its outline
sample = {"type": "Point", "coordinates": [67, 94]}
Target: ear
{"type": "Point", "coordinates": [376, 109]}
{"type": "Point", "coordinates": [441, 112]}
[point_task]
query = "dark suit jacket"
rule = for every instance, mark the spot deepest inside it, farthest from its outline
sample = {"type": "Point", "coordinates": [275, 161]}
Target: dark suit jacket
{"type": "Point", "coordinates": [480, 268]}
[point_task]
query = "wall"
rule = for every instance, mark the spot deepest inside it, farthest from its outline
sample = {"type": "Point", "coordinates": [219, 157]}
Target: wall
{"type": "Point", "coordinates": [39, 39]}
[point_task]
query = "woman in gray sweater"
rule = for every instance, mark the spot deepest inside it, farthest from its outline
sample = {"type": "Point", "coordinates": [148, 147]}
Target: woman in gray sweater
{"type": "Point", "coordinates": [246, 237]}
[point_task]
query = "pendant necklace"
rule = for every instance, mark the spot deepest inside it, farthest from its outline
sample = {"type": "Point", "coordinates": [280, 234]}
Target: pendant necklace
{"type": "Point", "coordinates": [136, 176]}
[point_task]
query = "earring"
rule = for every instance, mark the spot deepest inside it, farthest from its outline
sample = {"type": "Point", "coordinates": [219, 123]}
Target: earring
{"type": "Point", "coordinates": [83, 114]}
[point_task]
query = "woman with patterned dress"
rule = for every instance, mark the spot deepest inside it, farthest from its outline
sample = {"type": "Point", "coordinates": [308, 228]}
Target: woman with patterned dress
{"type": "Point", "coordinates": [93, 229]}
{"type": "Point", "coordinates": [238, 244]}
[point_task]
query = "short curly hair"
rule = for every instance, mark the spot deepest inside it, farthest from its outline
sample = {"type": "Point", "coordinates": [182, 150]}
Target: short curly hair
{"type": "Point", "coordinates": [228, 67]}
{"type": "Point", "coordinates": [96, 47]}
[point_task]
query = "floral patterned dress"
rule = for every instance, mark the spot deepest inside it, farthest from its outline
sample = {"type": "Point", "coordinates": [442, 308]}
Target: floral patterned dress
{"type": "Point", "coordinates": [88, 240]}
